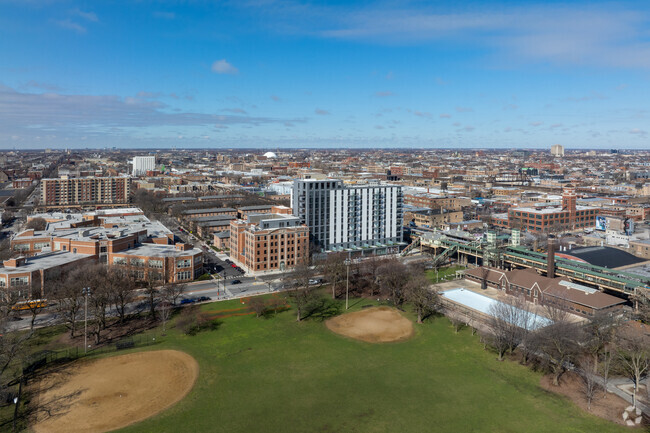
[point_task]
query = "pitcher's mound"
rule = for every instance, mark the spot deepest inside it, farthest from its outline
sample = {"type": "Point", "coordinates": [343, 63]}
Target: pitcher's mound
{"type": "Point", "coordinates": [110, 393]}
{"type": "Point", "coordinates": [374, 325]}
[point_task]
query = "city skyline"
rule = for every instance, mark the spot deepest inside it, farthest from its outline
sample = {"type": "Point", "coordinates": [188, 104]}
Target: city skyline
{"type": "Point", "coordinates": [284, 74]}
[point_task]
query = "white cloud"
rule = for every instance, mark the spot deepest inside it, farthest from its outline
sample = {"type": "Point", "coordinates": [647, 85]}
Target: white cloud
{"type": "Point", "coordinates": [321, 112]}
{"type": "Point", "coordinates": [276, 98]}
{"type": "Point", "coordinates": [384, 94]}
{"type": "Point", "coordinates": [223, 67]}
{"type": "Point", "coordinates": [71, 25]}
{"type": "Point", "coordinates": [445, 116]}
{"type": "Point", "coordinates": [88, 16]}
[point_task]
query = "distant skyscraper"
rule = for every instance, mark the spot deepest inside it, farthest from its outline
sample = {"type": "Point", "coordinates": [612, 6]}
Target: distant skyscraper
{"type": "Point", "coordinates": [361, 218]}
{"type": "Point", "coordinates": [142, 164]}
{"type": "Point", "coordinates": [557, 150]}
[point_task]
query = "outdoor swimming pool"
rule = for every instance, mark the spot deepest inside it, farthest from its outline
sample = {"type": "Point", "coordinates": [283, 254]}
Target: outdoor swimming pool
{"type": "Point", "coordinates": [482, 303]}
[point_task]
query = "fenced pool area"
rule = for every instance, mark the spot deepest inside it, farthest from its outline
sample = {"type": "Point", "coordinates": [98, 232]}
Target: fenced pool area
{"type": "Point", "coordinates": [483, 304]}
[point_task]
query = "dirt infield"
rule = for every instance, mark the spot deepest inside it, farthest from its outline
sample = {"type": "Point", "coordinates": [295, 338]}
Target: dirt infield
{"type": "Point", "coordinates": [111, 393]}
{"type": "Point", "coordinates": [374, 325]}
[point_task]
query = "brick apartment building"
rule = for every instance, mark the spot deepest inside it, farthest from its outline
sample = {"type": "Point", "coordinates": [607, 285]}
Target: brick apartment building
{"type": "Point", "coordinates": [264, 242]}
{"type": "Point", "coordinates": [75, 191]}
{"type": "Point", "coordinates": [433, 201]}
{"type": "Point", "coordinates": [545, 219]}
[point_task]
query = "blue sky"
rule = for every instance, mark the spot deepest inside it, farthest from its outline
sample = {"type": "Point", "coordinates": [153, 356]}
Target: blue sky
{"type": "Point", "coordinates": [266, 73]}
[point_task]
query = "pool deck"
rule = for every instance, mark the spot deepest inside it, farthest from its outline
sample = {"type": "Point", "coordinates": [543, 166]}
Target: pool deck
{"type": "Point", "coordinates": [498, 295]}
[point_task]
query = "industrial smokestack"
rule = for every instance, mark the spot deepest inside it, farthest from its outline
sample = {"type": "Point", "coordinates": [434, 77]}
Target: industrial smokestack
{"type": "Point", "coordinates": [550, 258]}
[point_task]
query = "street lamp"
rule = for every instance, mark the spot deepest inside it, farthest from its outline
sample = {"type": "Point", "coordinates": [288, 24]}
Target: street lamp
{"type": "Point", "coordinates": [86, 292]}
{"type": "Point", "coordinates": [347, 263]}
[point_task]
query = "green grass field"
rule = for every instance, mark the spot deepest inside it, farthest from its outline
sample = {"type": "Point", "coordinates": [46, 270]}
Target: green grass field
{"type": "Point", "coordinates": [448, 273]}
{"type": "Point", "coordinates": [276, 375]}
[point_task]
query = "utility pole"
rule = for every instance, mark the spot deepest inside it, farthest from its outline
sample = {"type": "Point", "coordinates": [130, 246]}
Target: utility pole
{"type": "Point", "coordinates": [347, 285]}
{"type": "Point", "coordinates": [86, 292]}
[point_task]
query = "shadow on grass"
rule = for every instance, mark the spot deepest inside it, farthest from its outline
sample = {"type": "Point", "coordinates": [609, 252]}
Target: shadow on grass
{"type": "Point", "coordinates": [323, 308]}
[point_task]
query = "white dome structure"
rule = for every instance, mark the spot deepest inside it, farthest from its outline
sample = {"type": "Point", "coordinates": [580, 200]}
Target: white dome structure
{"type": "Point", "coordinates": [270, 155]}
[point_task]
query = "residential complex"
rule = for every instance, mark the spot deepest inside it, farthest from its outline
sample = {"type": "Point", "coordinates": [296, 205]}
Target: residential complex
{"type": "Point", "coordinates": [76, 191]}
{"type": "Point", "coordinates": [350, 218]}
{"type": "Point", "coordinates": [142, 165]}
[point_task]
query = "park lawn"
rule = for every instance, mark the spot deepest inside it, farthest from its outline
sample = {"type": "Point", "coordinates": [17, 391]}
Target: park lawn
{"type": "Point", "coordinates": [277, 375]}
{"type": "Point", "coordinates": [443, 273]}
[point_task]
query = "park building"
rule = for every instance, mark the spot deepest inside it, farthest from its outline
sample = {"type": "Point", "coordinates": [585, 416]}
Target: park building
{"type": "Point", "coordinates": [269, 242]}
{"type": "Point", "coordinates": [359, 219]}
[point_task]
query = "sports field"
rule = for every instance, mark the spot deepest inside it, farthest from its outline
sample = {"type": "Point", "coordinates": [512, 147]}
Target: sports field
{"type": "Point", "coordinates": [276, 375]}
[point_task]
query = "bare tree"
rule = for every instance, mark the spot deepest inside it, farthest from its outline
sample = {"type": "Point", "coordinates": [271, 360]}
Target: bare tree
{"type": "Point", "coordinates": [37, 224]}
{"type": "Point", "coordinates": [605, 366]}
{"type": "Point", "coordinates": [424, 299]}
{"type": "Point", "coordinates": [599, 333]}
{"type": "Point", "coordinates": [509, 323]}
{"type": "Point", "coordinates": [258, 306]}
{"type": "Point", "coordinates": [333, 269]}
{"type": "Point", "coordinates": [634, 355]}
{"type": "Point", "coordinates": [154, 279]}
{"type": "Point", "coordinates": [121, 288]}
{"type": "Point", "coordinates": [559, 342]}
{"type": "Point", "coordinates": [485, 272]}
{"type": "Point", "coordinates": [393, 276]}
{"type": "Point", "coordinates": [165, 308]}
{"type": "Point", "coordinates": [589, 378]}
{"type": "Point", "coordinates": [173, 291]}
{"type": "Point", "coordinates": [69, 302]}
{"type": "Point", "coordinates": [298, 289]}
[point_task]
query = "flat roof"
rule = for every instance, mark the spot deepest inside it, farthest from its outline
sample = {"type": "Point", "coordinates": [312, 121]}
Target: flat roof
{"type": "Point", "coordinates": [156, 250]}
{"type": "Point", "coordinates": [45, 261]}
{"type": "Point", "coordinates": [212, 209]}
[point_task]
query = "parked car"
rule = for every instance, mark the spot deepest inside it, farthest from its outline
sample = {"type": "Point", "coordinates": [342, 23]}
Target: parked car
{"type": "Point", "coordinates": [314, 281]}
{"type": "Point", "coordinates": [232, 265]}
{"type": "Point", "coordinates": [235, 282]}
{"type": "Point", "coordinates": [204, 298]}
{"type": "Point", "coordinates": [187, 301]}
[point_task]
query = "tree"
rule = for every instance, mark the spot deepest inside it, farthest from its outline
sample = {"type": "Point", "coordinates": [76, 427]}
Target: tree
{"type": "Point", "coordinates": [509, 323]}
{"type": "Point", "coordinates": [299, 291]}
{"type": "Point", "coordinates": [605, 366]}
{"type": "Point", "coordinates": [121, 288]}
{"type": "Point", "coordinates": [38, 224]}
{"type": "Point", "coordinates": [485, 272]}
{"type": "Point", "coordinates": [393, 275]}
{"type": "Point", "coordinates": [165, 308]}
{"type": "Point", "coordinates": [633, 354]}
{"type": "Point", "coordinates": [154, 279]}
{"type": "Point", "coordinates": [7, 217]}
{"type": "Point", "coordinates": [599, 333]}
{"type": "Point", "coordinates": [173, 291]}
{"type": "Point", "coordinates": [258, 306]}
{"type": "Point", "coordinates": [418, 292]}
{"type": "Point", "coordinates": [559, 342]}
{"type": "Point", "coordinates": [589, 378]}
{"type": "Point", "coordinates": [334, 270]}
{"type": "Point", "coordinates": [69, 302]}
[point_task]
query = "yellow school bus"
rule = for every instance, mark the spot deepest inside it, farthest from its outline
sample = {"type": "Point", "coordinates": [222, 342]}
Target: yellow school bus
{"type": "Point", "coordinates": [32, 303]}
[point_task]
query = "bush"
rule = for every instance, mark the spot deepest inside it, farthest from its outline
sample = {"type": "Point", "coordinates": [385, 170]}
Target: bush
{"type": "Point", "coordinates": [204, 277]}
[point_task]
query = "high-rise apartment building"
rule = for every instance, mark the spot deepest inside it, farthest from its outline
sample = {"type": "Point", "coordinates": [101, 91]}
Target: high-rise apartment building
{"type": "Point", "coordinates": [366, 218]}
{"type": "Point", "coordinates": [557, 150]}
{"type": "Point", "coordinates": [66, 191]}
{"type": "Point", "coordinates": [143, 164]}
